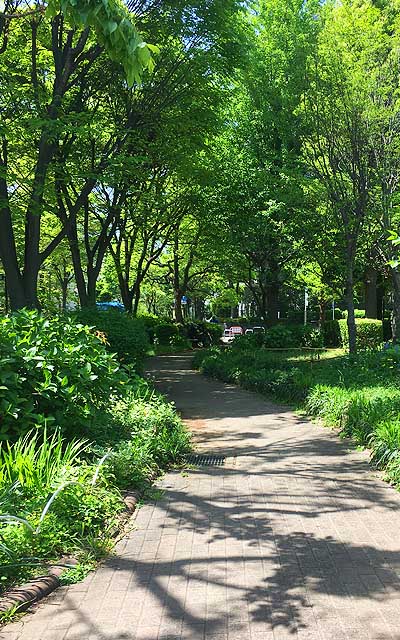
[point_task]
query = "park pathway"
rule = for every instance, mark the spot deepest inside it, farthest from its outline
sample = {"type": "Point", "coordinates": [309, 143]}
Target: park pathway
{"type": "Point", "coordinates": [294, 537]}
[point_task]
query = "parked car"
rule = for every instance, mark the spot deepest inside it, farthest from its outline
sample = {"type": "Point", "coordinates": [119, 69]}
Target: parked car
{"type": "Point", "coordinates": [231, 333]}
{"type": "Point", "coordinates": [258, 329]}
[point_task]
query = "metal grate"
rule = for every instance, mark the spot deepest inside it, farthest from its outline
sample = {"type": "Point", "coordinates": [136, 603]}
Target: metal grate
{"type": "Point", "coordinates": [205, 460]}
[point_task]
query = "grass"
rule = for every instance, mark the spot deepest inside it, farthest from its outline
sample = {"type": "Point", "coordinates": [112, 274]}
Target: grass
{"type": "Point", "coordinates": [359, 394]}
{"type": "Point", "coordinates": [61, 496]}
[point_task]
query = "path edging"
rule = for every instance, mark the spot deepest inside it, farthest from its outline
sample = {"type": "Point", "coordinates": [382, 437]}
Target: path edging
{"type": "Point", "coordinates": [22, 597]}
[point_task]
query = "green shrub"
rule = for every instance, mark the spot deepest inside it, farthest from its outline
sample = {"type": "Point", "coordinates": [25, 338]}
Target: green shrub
{"type": "Point", "coordinates": [53, 372]}
{"type": "Point", "coordinates": [292, 336]}
{"type": "Point", "coordinates": [148, 436]}
{"type": "Point", "coordinates": [248, 342]}
{"type": "Point", "coordinates": [150, 322]}
{"type": "Point", "coordinates": [331, 333]}
{"type": "Point", "coordinates": [214, 330]}
{"type": "Point", "coordinates": [369, 333]}
{"type": "Point", "coordinates": [198, 331]}
{"type": "Point", "coordinates": [165, 332]}
{"type": "Point", "coordinates": [283, 336]}
{"type": "Point", "coordinates": [126, 335]}
{"type": "Point", "coordinates": [157, 438]}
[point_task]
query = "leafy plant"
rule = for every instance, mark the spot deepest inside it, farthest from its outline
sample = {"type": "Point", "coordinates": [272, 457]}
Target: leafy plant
{"type": "Point", "coordinates": [53, 373]}
{"type": "Point", "coordinates": [125, 335]}
{"type": "Point", "coordinates": [165, 332]}
{"type": "Point", "coordinates": [369, 333]}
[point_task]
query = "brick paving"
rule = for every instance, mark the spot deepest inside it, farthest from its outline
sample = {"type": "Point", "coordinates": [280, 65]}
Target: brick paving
{"type": "Point", "coordinates": [294, 538]}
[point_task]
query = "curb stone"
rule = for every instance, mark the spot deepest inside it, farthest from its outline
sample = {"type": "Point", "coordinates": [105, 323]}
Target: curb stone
{"type": "Point", "coordinates": [22, 597]}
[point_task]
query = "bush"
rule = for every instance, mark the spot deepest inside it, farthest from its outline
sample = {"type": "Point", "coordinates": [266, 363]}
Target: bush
{"type": "Point", "coordinates": [283, 336]}
{"type": "Point", "coordinates": [126, 335]}
{"type": "Point", "coordinates": [331, 333]}
{"type": "Point", "coordinates": [147, 437]}
{"type": "Point", "coordinates": [248, 342]}
{"type": "Point", "coordinates": [157, 438]}
{"type": "Point", "coordinates": [150, 322]}
{"type": "Point", "coordinates": [198, 331]}
{"type": "Point", "coordinates": [165, 332]}
{"type": "Point", "coordinates": [292, 336]}
{"type": "Point", "coordinates": [53, 372]}
{"type": "Point", "coordinates": [369, 333]}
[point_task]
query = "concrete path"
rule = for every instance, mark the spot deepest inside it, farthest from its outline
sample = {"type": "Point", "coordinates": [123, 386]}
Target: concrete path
{"type": "Point", "coordinates": [293, 538]}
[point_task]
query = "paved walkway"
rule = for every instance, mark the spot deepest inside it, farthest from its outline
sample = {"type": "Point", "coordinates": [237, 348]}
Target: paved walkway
{"type": "Point", "coordinates": [293, 538]}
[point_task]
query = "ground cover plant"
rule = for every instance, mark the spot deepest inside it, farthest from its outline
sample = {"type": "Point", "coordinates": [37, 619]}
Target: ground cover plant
{"type": "Point", "coordinates": [77, 429]}
{"type": "Point", "coordinates": [359, 394]}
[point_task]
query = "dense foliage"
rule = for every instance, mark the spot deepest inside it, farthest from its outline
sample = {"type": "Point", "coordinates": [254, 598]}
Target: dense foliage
{"type": "Point", "coordinates": [369, 333]}
{"type": "Point", "coordinates": [249, 166]}
{"type": "Point", "coordinates": [124, 335]}
{"type": "Point", "coordinates": [77, 428]}
{"type": "Point", "coordinates": [53, 372]}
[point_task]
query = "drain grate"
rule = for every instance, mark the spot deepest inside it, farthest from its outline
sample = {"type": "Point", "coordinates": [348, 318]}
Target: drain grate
{"type": "Point", "coordinates": [205, 460]}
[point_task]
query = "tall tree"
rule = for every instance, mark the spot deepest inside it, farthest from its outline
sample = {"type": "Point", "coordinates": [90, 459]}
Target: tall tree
{"type": "Point", "coordinates": [45, 56]}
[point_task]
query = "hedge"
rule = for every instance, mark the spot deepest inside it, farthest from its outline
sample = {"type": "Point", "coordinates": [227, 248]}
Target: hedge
{"type": "Point", "coordinates": [369, 333]}
{"type": "Point", "coordinates": [126, 335]}
{"type": "Point", "coordinates": [331, 333]}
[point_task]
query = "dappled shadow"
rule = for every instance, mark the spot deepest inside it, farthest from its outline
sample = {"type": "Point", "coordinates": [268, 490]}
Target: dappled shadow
{"type": "Point", "coordinates": [293, 538]}
{"type": "Point", "coordinates": [266, 576]}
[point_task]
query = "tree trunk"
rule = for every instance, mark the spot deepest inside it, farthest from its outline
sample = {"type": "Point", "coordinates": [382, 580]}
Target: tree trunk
{"type": "Point", "coordinates": [91, 287]}
{"type": "Point", "coordinates": [178, 311]}
{"type": "Point", "coordinates": [371, 299]}
{"type": "Point", "coordinates": [396, 306]}
{"type": "Point", "coordinates": [380, 297]}
{"type": "Point", "coordinates": [273, 303]}
{"type": "Point", "coordinates": [8, 254]}
{"type": "Point", "coordinates": [77, 265]}
{"type": "Point", "coordinates": [136, 297]}
{"type": "Point", "coordinates": [322, 311]}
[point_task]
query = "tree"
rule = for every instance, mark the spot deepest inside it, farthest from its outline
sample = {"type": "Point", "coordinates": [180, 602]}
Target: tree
{"type": "Point", "coordinates": [337, 136]}
{"type": "Point", "coordinates": [48, 55]}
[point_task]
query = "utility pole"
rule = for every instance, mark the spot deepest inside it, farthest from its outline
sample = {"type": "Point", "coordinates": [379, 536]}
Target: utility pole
{"type": "Point", "coordinates": [305, 305]}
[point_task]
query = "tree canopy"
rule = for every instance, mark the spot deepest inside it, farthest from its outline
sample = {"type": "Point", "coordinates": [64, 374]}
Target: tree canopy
{"type": "Point", "coordinates": [211, 156]}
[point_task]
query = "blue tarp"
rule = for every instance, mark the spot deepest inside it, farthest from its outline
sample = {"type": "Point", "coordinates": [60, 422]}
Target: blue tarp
{"type": "Point", "coordinates": [105, 306]}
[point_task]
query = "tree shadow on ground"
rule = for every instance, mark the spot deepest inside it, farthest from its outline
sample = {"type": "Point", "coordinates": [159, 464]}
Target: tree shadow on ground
{"type": "Point", "coordinates": [252, 554]}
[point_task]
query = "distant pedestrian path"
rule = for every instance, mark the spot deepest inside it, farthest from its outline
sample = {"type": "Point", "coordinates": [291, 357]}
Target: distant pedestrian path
{"type": "Point", "coordinates": [292, 537]}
